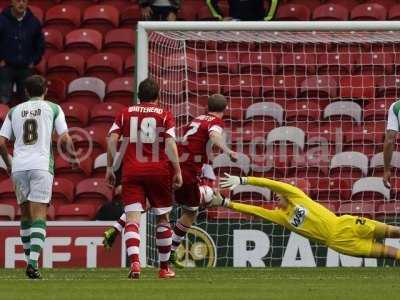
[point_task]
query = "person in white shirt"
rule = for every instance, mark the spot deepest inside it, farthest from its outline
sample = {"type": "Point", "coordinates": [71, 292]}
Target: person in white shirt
{"type": "Point", "coordinates": [31, 124]}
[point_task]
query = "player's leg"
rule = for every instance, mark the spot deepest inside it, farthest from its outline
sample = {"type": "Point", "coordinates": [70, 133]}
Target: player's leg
{"type": "Point", "coordinates": [25, 229]}
{"type": "Point", "coordinates": [164, 242]}
{"type": "Point", "coordinates": [383, 251]}
{"type": "Point", "coordinates": [383, 230]}
{"type": "Point", "coordinates": [111, 233]}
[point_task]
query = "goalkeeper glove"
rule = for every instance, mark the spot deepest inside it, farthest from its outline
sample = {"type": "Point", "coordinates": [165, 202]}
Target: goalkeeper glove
{"type": "Point", "coordinates": [231, 181]}
{"type": "Point", "coordinates": [218, 200]}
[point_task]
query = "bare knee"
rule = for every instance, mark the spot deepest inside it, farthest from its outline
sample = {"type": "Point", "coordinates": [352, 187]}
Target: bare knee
{"type": "Point", "coordinates": [37, 210]}
{"type": "Point", "coordinates": [133, 217]}
{"type": "Point", "coordinates": [188, 217]}
{"type": "Point", "coordinates": [162, 219]}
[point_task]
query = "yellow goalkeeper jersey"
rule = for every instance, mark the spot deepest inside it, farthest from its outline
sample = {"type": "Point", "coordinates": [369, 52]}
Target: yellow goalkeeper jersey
{"type": "Point", "coordinates": [302, 215]}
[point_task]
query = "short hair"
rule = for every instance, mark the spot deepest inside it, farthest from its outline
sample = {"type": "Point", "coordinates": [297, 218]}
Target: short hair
{"type": "Point", "coordinates": [148, 90]}
{"type": "Point", "coordinates": [35, 86]}
{"type": "Point", "coordinates": [217, 103]}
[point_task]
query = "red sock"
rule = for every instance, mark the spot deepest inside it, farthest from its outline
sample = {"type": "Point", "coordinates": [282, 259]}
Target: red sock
{"type": "Point", "coordinates": [179, 234]}
{"type": "Point", "coordinates": [120, 224]}
{"type": "Point", "coordinates": [132, 241]}
{"type": "Point", "coordinates": [163, 242]}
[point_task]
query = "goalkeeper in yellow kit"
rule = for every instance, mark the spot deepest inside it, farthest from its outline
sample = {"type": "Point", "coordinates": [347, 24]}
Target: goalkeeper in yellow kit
{"type": "Point", "coordinates": [351, 235]}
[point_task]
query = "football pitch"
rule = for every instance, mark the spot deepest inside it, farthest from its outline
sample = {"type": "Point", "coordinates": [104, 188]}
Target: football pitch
{"type": "Point", "coordinates": [218, 284]}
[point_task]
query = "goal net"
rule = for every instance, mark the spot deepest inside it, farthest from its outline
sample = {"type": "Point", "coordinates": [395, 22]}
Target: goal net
{"type": "Point", "coordinates": [307, 105]}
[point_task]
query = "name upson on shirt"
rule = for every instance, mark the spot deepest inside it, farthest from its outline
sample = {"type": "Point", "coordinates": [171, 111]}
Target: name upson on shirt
{"type": "Point", "coordinates": [32, 113]}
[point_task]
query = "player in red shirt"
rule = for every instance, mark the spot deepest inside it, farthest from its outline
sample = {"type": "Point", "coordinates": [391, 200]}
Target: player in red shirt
{"type": "Point", "coordinates": [150, 170]}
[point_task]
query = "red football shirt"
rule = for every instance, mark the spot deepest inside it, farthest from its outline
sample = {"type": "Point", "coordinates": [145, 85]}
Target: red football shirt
{"type": "Point", "coordinates": [194, 146]}
{"type": "Point", "coordinates": [146, 126]}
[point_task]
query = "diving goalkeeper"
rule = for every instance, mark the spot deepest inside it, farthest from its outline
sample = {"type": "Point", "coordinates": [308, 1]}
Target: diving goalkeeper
{"type": "Point", "coordinates": [350, 235]}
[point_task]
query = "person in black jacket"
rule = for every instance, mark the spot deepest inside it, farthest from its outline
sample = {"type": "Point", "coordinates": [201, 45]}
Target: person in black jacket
{"type": "Point", "coordinates": [159, 10]}
{"type": "Point", "coordinates": [244, 10]}
{"type": "Point", "coordinates": [21, 47]}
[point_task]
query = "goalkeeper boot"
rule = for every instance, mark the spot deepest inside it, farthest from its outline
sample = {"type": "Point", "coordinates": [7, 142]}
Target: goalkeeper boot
{"type": "Point", "coordinates": [134, 272]}
{"type": "Point", "coordinates": [166, 273]}
{"type": "Point", "coordinates": [109, 237]}
{"type": "Point", "coordinates": [173, 259]}
{"type": "Point", "coordinates": [33, 273]}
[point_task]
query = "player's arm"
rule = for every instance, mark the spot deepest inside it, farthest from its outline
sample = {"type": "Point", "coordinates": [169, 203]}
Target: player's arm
{"type": "Point", "coordinates": [172, 151]}
{"type": "Point", "coordinates": [6, 133]}
{"type": "Point", "coordinates": [218, 140]}
{"type": "Point", "coordinates": [391, 131]}
{"type": "Point", "coordinates": [112, 144]}
{"type": "Point", "coordinates": [67, 144]}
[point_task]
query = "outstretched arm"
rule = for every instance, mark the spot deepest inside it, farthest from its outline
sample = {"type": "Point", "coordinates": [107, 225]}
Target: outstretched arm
{"type": "Point", "coordinates": [218, 140]}
{"type": "Point", "coordinates": [267, 214]}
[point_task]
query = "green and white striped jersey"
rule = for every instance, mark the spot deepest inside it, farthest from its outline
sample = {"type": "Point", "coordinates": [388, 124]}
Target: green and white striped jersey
{"type": "Point", "coordinates": [31, 124]}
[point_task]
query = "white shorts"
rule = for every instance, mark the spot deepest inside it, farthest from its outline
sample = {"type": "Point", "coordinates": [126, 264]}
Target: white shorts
{"type": "Point", "coordinates": [33, 185]}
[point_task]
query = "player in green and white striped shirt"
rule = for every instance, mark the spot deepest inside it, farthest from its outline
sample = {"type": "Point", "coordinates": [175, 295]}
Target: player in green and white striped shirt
{"type": "Point", "coordinates": [31, 124]}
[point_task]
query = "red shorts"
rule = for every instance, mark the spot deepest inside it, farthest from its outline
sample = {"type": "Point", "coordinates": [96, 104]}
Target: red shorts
{"type": "Point", "coordinates": [156, 188]}
{"type": "Point", "coordinates": [189, 194]}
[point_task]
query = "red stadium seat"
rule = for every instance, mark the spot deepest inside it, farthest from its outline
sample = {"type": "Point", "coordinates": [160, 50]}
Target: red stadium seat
{"type": "Point", "coordinates": [303, 111]}
{"type": "Point", "coordinates": [105, 66]}
{"type": "Point", "coordinates": [204, 85]}
{"type": "Point", "coordinates": [258, 63]}
{"type": "Point", "coordinates": [41, 67]}
{"type": "Point", "coordinates": [178, 62]}
{"type": "Point", "coordinates": [357, 87]}
{"type": "Point", "coordinates": [130, 16]}
{"type": "Point", "coordinates": [330, 12]}
{"type": "Point", "coordinates": [394, 13]}
{"type": "Point", "coordinates": [220, 62]}
{"type": "Point", "coordinates": [76, 114]}
{"type": "Point", "coordinates": [63, 18]}
{"type": "Point", "coordinates": [120, 41]}
{"type": "Point", "coordinates": [349, 4]}
{"type": "Point", "coordinates": [101, 17]}
{"type": "Point", "coordinates": [76, 212]}
{"type": "Point", "coordinates": [67, 66]}
{"type": "Point", "coordinates": [93, 139]}
{"type": "Point", "coordinates": [105, 112]}
{"type": "Point", "coordinates": [301, 183]}
{"type": "Point", "coordinates": [270, 165]}
{"type": "Point", "coordinates": [336, 64]}
{"type": "Point", "coordinates": [349, 165]}
{"type": "Point", "coordinates": [374, 63]}
{"type": "Point", "coordinates": [321, 86]}
{"type": "Point", "coordinates": [129, 65]}
{"type": "Point", "coordinates": [242, 86]}
{"type": "Point", "coordinates": [388, 86]}
{"type": "Point", "coordinates": [222, 163]}
{"type": "Point", "coordinates": [312, 4]}
{"type": "Point", "coordinates": [376, 164]}
{"type": "Point", "coordinates": [385, 3]}
{"type": "Point", "coordinates": [85, 42]}
{"type": "Point", "coordinates": [63, 191]}
{"type": "Point", "coordinates": [388, 209]}
{"type": "Point", "coordinates": [42, 4]}
{"type": "Point", "coordinates": [377, 110]}
{"type": "Point", "coordinates": [298, 63]}
{"type": "Point", "coordinates": [54, 41]}
{"type": "Point", "coordinates": [309, 165]}
{"type": "Point", "coordinates": [364, 209]}
{"type": "Point", "coordinates": [281, 86]}
{"type": "Point", "coordinates": [286, 134]}
{"type": "Point", "coordinates": [293, 12]}
{"type": "Point", "coordinates": [56, 90]}
{"type": "Point", "coordinates": [81, 4]}
{"type": "Point", "coordinates": [120, 90]}
{"type": "Point", "coordinates": [7, 212]}
{"type": "Point", "coordinates": [63, 167]}
{"type": "Point", "coordinates": [368, 12]}
{"type": "Point", "coordinates": [330, 189]}
{"type": "Point", "coordinates": [86, 90]}
{"type": "Point", "coordinates": [93, 190]}
{"type": "Point", "coordinates": [370, 188]}
{"type": "Point", "coordinates": [7, 193]}
{"type": "Point", "coordinates": [3, 112]}
{"type": "Point", "coordinates": [121, 5]}
{"type": "Point", "coordinates": [37, 12]}
{"type": "Point", "coordinates": [189, 10]}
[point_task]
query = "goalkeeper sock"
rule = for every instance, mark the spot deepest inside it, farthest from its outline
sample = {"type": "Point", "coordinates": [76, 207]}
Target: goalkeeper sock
{"type": "Point", "coordinates": [120, 224]}
{"type": "Point", "coordinates": [163, 242]}
{"type": "Point", "coordinates": [25, 234]}
{"type": "Point", "coordinates": [37, 238]}
{"type": "Point", "coordinates": [178, 235]}
{"type": "Point", "coordinates": [132, 241]}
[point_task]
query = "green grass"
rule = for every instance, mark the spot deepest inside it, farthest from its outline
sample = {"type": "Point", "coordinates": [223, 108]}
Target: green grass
{"type": "Point", "coordinates": [216, 284]}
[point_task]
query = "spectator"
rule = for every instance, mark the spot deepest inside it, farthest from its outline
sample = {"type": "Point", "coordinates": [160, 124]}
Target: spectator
{"type": "Point", "coordinates": [244, 10]}
{"type": "Point", "coordinates": [111, 211]}
{"type": "Point", "coordinates": [156, 10]}
{"type": "Point", "coordinates": [21, 48]}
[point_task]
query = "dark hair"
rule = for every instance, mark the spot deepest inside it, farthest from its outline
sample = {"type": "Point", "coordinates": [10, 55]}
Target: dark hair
{"type": "Point", "coordinates": [35, 86]}
{"type": "Point", "coordinates": [217, 103]}
{"type": "Point", "coordinates": [148, 90]}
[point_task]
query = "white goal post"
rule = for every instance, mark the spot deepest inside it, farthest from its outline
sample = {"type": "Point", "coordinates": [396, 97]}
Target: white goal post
{"type": "Point", "coordinates": [318, 90]}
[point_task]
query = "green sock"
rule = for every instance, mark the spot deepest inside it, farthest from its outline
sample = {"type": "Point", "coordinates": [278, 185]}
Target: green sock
{"type": "Point", "coordinates": [25, 233]}
{"type": "Point", "coordinates": [38, 235]}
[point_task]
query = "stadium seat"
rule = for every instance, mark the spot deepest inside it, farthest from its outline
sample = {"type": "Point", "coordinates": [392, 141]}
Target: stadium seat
{"type": "Point", "coordinates": [357, 87]}
{"type": "Point", "coordinates": [330, 189]}
{"type": "Point", "coordinates": [302, 111]}
{"type": "Point", "coordinates": [321, 86]}
{"type": "Point", "coordinates": [105, 66]}
{"type": "Point", "coordinates": [85, 42]}
{"type": "Point", "coordinates": [374, 63]}
{"type": "Point", "coordinates": [388, 209]}
{"type": "Point", "coordinates": [330, 12]}
{"type": "Point", "coordinates": [286, 134]}
{"type": "Point", "coordinates": [41, 67]}
{"type": "Point", "coordinates": [222, 163]}
{"type": "Point", "coordinates": [7, 212]}
{"type": "Point", "coordinates": [63, 18]}
{"type": "Point", "coordinates": [100, 165]}
{"type": "Point", "coordinates": [93, 191]}
{"type": "Point", "coordinates": [37, 12]}
{"type": "Point", "coordinates": [120, 90]}
{"type": "Point", "coordinates": [312, 4]}
{"type": "Point", "coordinates": [254, 193]}
{"type": "Point", "coordinates": [343, 110]}
{"type": "Point", "coordinates": [42, 4]}
{"type": "Point", "coordinates": [63, 167]}
{"type": "Point", "coordinates": [86, 90]}
{"type": "Point", "coordinates": [385, 3]}
{"type": "Point", "coordinates": [368, 12]}
{"type": "Point", "coordinates": [56, 90]}
{"type": "Point", "coordinates": [349, 4]}
{"type": "Point", "coordinates": [377, 110]}
{"type": "Point", "coordinates": [279, 86]}
{"type": "Point", "coordinates": [3, 169]}
{"type": "Point", "coordinates": [129, 65]}
{"type": "Point", "coordinates": [92, 139]}
{"type": "Point", "coordinates": [242, 86]}
{"type": "Point", "coordinates": [81, 4]}
{"type": "Point", "coordinates": [297, 63]}
{"type": "Point", "coordinates": [258, 63]}
{"type": "Point", "coordinates": [388, 86]}
{"type": "Point", "coordinates": [54, 42]}
{"type": "Point", "coordinates": [376, 164]}
{"type": "Point", "coordinates": [188, 11]}
{"type": "Point", "coordinates": [63, 191]}
{"type": "Point", "coordinates": [7, 193]}
{"type": "Point", "coordinates": [349, 165]}
{"type": "Point", "coordinates": [302, 183]}
{"type": "Point", "coordinates": [204, 85]}
{"type": "Point", "coordinates": [394, 13]}
{"type": "Point", "coordinates": [101, 18]}
{"type": "Point", "coordinates": [76, 212]}
{"type": "Point", "coordinates": [293, 12]}
{"type": "Point", "coordinates": [3, 112]}
{"type": "Point", "coordinates": [309, 165]}
{"type": "Point", "coordinates": [105, 112]}
{"type": "Point", "coordinates": [67, 66]}
{"type": "Point", "coordinates": [364, 209]}
{"type": "Point", "coordinates": [336, 64]}
{"type": "Point", "coordinates": [76, 114]}
{"type": "Point", "coordinates": [264, 111]}
{"type": "Point", "coordinates": [370, 188]}
{"type": "Point", "coordinates": [120, 41]}
{"type": "Point", "coordinates": [220, 62]}
{"type": "Point", "coordinates": [179, 61]}
{"type": "Point", "coordinates": [130, 16]}
{"type": "Point", "coordinates": [121, 5]}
